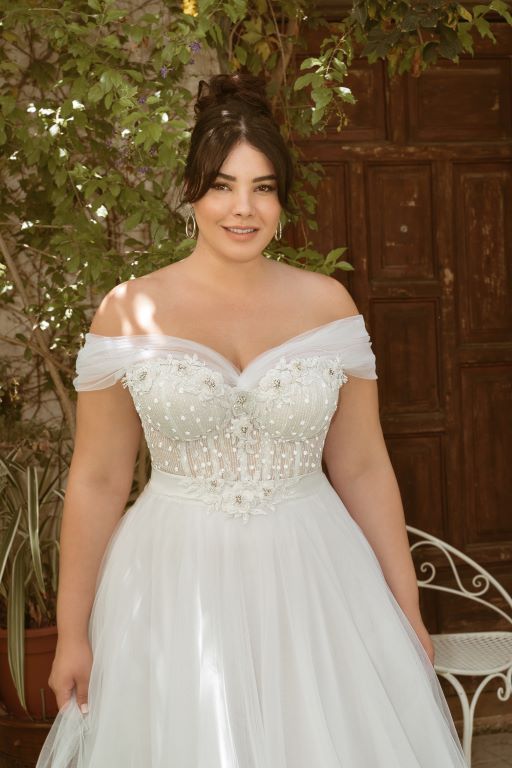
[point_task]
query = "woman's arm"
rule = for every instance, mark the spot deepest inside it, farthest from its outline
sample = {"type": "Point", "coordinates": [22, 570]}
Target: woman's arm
{"type": "Point", "coordinates": [99, 482]}
{"type": "Point", "coordinates": [360, 471]}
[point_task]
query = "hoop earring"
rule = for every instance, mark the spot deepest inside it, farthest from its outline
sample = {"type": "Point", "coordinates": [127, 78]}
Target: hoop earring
{"type": "Point", "coordinates": [279, 231]}
{"type": "Point", "coordinates": [194, 225]}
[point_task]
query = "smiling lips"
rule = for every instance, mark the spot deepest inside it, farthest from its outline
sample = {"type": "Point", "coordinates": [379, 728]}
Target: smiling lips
{"type": "Point", "coordinates": [241, 230]}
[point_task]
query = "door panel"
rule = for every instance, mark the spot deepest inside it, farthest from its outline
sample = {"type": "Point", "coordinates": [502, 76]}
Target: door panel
{"type": "Point", "coordinates": [419, 187]}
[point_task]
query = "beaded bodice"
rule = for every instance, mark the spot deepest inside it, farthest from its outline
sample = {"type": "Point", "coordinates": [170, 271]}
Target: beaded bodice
{"type": "Point", "coordinates": [247, 433]}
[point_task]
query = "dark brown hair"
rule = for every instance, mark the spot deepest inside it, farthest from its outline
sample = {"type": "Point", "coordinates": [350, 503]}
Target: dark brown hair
{"type": "Point", "coordinates": [230, 109]}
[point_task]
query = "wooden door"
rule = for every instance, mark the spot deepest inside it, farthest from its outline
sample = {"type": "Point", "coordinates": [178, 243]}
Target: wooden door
{"type": "Point", "coordinates": [419, 187]}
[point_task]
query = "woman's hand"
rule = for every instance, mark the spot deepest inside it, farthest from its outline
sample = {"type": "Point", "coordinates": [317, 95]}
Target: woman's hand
{"type": "Point", "coordinates": [71, 668]}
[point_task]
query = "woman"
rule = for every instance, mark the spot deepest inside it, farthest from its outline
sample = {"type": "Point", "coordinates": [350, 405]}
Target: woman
{"type": "Point", "coordinates": [238, 614]}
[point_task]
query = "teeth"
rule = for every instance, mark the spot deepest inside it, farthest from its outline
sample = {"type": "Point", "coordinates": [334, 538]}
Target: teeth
{"type": "Point", "coordinates": [240, 231]}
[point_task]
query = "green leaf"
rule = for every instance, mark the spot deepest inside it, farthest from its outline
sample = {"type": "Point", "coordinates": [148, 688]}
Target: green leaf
{"type": "Point", "coordinates": [241, 54]}
{"type": "Point", "coordinates": [95, 93]}
{"type": "Point", "coordinates": [304, 80]}
{"type": "Point", "coordinates": [132, 221]}
{"type": "Point", "coordinates": [7, 539]}
{"type": "Point", "coordinates": [430, 50]}
{"type": "Point", "coordinates": [8, 104]}
{"type": "Point", "coordinates": [464, 13]}
{"type": "Point", "coordinates": [335, 253]}
{"type": "Point", "coordinates": [317, 115]}
{"type": "Point", "coordinates": [484, 27]}
{"type": "Point", "coordinates": [322, 97]}
{"type": "Point", "coordinates": [137, 76]}
{"type": "Point", "coordinates": [312, 61]}
{"type": "Point", "coordinates": [16, 624]}
{"type": "Point", "coordinates": [33, 523]}
{"type": "Point", "coordinates": [502, 8]}
{"type": "Point", "coordinates": [114, 14]}
{"type": "Point", "coordinates": [252, 37]}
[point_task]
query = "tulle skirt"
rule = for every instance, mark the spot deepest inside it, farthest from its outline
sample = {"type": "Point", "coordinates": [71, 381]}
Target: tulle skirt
{"type": "Point", "coordinates": [271, 644]}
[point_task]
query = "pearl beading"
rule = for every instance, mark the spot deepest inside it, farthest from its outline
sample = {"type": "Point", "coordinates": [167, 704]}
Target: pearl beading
{"type": "Point", "coordinates": [243, 448]}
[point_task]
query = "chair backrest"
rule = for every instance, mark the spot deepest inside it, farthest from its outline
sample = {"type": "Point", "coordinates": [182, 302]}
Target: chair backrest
{"type": "Point", "coordinates": [482, 581]}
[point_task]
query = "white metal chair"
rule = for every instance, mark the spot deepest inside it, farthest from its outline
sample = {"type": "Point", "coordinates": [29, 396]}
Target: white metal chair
{"type": "Point", "coordinates": [481, 654]}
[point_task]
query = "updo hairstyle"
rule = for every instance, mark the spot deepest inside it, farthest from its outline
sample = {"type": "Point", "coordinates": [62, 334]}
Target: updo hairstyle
{"type": "Point", "coordinates": [230, 109]}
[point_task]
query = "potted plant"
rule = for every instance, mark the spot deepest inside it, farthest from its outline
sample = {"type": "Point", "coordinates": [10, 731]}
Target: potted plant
{"type": "Point", "coordinates": [30, 518]}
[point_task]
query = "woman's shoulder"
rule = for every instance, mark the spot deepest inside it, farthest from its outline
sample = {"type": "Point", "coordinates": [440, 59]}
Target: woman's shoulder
{"type": "Point", "coordinates": [320, 290]}
{"type": "Point", "coordinates": [121, 309]}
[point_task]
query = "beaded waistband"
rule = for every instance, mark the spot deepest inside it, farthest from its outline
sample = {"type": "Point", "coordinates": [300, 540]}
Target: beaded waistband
{"type": "Point", "coordinates": [236, 498]}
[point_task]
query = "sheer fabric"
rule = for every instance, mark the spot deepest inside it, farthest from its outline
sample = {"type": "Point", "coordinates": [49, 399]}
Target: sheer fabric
{"type": "Point", "coordinates": [241, 618]}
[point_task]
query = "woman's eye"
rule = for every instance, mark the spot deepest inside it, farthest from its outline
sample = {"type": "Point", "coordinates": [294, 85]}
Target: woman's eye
{"type": "Point", "coordinates": [267, 187]}
{"type": "Point", "coordinates": [219, 185]}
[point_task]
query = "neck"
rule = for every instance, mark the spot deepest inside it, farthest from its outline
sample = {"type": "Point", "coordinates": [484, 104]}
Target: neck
{"type": "Point", "coordinates": [239, 276]}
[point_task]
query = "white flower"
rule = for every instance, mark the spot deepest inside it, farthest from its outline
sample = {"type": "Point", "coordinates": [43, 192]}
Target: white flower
{"type": "Point", "coordinates": [77, 104]}
{"type": "Point", "coordinates": [278, 380]}
{"type": "Point", "coordinates": [208, 384]}
{"type": "Point", "coordinates": [101, 212]}
{"type": "Point", "coordinates": [334, 374]}
{"type": "Point", "coordinates": [139, 378]}
{"type": "Point", "coordinates": [242, 499]}
{"type": "Point", "coordinates": [244, 431]}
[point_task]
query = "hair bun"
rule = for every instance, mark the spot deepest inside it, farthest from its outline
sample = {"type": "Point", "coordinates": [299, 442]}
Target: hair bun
{"type": "Point", "coordinates": [222, 89]}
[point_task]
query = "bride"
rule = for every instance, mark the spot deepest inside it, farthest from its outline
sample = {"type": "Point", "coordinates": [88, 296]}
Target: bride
{"type": "Point", "coordinates": [186, 638]}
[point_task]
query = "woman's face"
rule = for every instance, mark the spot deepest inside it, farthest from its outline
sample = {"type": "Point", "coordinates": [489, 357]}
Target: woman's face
{"type": "Point", "coordinates": [238, 215]}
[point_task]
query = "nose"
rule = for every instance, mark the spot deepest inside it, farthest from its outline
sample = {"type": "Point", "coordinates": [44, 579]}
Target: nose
{"type": "Point", "coordinates": [242, 205]}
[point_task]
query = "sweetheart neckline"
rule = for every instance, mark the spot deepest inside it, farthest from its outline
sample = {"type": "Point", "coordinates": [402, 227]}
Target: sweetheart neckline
{"type": "Point", "coordinates": [235, 368]}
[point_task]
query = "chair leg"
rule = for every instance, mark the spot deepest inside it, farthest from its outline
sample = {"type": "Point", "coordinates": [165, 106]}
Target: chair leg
{"type": "Point", "coordinates": [467, 714]}
{"type": "Point", "coordinates": [468, 709]}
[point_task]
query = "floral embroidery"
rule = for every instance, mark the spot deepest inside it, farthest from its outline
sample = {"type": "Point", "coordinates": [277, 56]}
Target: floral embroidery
{"type": "Point", "coordinates": [242, 428]}
{"type": "Point", "coordinates": [334, 374]}
{"type": "Point", "coordinates": [193, 376]}
{"type": "Point", "coordinates": [283, 379]}
{"type": "Point", "coordinates": [140, 378]}
{"type": "Point", "coordinates": [242, 498]}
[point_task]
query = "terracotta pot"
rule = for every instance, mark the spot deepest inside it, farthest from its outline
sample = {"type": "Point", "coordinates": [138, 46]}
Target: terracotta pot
{"type": "Point", "coordinates": [39, 652]}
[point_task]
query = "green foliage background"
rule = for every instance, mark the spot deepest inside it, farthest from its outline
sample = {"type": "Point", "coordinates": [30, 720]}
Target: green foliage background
{"type": "Point", "coordinates": [95, 116]}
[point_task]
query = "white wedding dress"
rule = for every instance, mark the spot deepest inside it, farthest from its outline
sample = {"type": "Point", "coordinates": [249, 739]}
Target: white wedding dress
{"type": "Point", "coordinates": [241, 618]}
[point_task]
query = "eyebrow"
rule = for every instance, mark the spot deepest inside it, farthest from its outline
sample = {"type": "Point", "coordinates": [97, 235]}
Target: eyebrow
{"type": "Point", "coordinates": [258, 178]}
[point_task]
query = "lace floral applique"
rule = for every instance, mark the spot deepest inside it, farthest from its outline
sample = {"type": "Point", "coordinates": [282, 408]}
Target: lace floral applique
{"type": "Point", "coordinates": [193, 376]}
{"type": "Point", "coordinates": [244, 430]}
{"type": "Point", "coordinates": [140, 377]}
{"type": "Point", "coordinates": [334, 373]}
{"type": "Point", "coordinates": [283, 378]}
{"type": "Point", "coordinates": [242, 498]}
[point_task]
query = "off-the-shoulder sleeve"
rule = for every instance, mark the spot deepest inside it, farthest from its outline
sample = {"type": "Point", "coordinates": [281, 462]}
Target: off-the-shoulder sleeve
{"type": "Point", "coordinates": [351, 340]}
{"type": "Point", "coordinates": [103, 360]}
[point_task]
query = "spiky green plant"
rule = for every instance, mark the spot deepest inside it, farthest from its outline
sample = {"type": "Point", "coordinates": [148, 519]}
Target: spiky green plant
{"type": "Point", "coordinates": [30, 518]}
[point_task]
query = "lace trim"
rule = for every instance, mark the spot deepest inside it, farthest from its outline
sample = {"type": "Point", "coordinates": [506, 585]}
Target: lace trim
{"type": "Point", "coordinates": [196, 377]}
